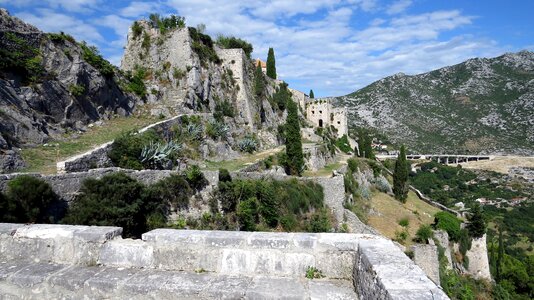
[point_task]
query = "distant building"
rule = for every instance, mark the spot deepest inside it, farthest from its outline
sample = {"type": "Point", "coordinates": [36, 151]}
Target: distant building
{"type": "Point", "coordinates": [263, 65]}
{"type": "Point", "coordinates": [322, 114]}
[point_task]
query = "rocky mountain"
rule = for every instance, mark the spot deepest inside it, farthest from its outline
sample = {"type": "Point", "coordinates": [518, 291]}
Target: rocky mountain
{"type": "Point", "coordinates": [479, 106]}
{"type": "Point", "coordinates": [50, 84]}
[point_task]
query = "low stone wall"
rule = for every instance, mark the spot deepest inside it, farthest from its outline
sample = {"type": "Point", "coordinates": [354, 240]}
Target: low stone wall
{"type": "Point", "coordinates": [376, 268]}
{"type": "Point", "coordinates": [67, 185]}
{"type": "Point", "coordinates": [426, 257]}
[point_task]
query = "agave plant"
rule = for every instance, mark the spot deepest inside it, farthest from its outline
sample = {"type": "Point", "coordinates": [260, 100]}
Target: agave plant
{"type": "Point", "coordinates": [159, 154]}
{"type": "Point", "coordinates": [195, 131]}
{"type": "Point", "coordinates": [248, 144]}
{"type": "Point", "coordinates": [217, 130]}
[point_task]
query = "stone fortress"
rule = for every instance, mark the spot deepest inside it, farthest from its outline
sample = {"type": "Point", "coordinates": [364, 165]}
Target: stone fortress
{"type": "Point", "coordinates": [322, 114]}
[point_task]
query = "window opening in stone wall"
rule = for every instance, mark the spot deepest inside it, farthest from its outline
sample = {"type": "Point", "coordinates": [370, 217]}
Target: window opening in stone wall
{"type": "Point", "coordinates": [320, 123]}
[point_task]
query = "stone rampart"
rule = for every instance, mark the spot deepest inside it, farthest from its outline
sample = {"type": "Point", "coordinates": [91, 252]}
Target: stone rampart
{"type": "Point", "coordinates": [43, 261]}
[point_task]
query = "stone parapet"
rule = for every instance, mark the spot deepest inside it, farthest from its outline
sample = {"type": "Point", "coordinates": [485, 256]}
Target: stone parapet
{"type": "Point", "coordinates": [89, 261]}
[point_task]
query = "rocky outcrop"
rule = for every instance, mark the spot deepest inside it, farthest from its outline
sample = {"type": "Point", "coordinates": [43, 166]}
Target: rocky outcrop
{"type": "Point", "coordinates": [478, 259]}
{"type": "Point", "coordinates": [483, 105]}
{"type": "Point", "coordinates": [48, 87]}
{"type": "Point", "coordinates": [180, 80]}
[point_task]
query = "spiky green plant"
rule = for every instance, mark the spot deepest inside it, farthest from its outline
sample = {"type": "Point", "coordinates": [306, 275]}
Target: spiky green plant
{"type": "Point", "coordinates": [157, 155]}
{"type": "Point", "coordinates": [248, 144]}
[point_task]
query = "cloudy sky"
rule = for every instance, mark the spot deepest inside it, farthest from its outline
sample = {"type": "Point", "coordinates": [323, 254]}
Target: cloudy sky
{"type": "Point", "coordinates": [332, 46]}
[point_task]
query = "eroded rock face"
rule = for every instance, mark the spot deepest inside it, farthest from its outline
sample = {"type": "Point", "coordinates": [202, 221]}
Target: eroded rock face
{"type": "Point", "coordinates": [184, 82]}
{"type": "Point", "coordinates": [34, 110]}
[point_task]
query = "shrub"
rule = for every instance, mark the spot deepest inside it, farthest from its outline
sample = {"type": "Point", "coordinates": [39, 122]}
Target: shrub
{"type": "Point", "coordinates": [195, 177]}
{"type": "Point", "coordinates": [174, 189]}
{"type": "Point", "coordinates": [448, 222]}
{"type": "Point", "coordinates": [203, 46]}
{"type": "Point", "coordinates": [282, 96]}
{"type": "Point", "coordinates": [166, 24]}
{"type": "Point", "coordinates": [61, 37]}
{"type": "Point", "coordinates": [137, 30]}
{"type": "Point", "coordinates": [230, 42]}
{"type": "Point", "coordinates": [28, 200]}
{"type": "Point", "coordinates": [145, 44]}
{"type": "Point", "coordinates": [224, 175]}
{"type": "Point", "coordinates": [247, 214]}
{"type": "Point", "coordinates": [223, 108]}
{"type": "Point", "coordinates": [319, 221]}
{"type": "Point", "coordinates": [178, 73]}
{"type": "Point", "coordinates": [114, 200]}
{"type": "Point", "coordinates": [19, 57]}
{"type": "Point", "coordinates": [92, 56]}
{"type": "Point", "coordinates": [401, 236]}
{"type": "Point", "coordinates": [126, 150]}
{"type": "Point", "coordinates": [424, 233]}
{"type": "Point", "coordinates": [248, 144]}
{"type": "Point", "coordinates": [352, 165]}
{"type": "Point", "coordinates": [404, 222]}
{"type": "Point", "coordinates": [76, 90]}
{"type": "Point", "coordinates": [194, 131]}
{"type": "Point", "coordinates": [476, 224]}
{"type": "Point", "coordinates": [136, 84]}
{"type": "Point", "coordinates": [343, 144]}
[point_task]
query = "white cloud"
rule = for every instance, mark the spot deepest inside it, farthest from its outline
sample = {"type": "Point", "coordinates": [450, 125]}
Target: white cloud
{"type": "Point", "coordinates": [136, 9]}
{"type": "Point", "coordinates": [398, 7]}
{"type": "Point", "coordinates": [49, 21]}
{"type": "Point", "coordinates": [75, 5]}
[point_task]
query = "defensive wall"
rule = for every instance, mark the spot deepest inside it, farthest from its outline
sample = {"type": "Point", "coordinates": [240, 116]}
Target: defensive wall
{"type": "Point", "coordinates": [60, 261]}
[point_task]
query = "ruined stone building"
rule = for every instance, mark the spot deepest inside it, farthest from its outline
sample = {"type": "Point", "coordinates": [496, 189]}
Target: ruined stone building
{"type": "Point", "coordinates": [322, 114]}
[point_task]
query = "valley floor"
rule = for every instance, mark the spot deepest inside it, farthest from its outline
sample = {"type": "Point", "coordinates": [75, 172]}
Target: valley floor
{"type": "Point", "coordinates": [501, 164]}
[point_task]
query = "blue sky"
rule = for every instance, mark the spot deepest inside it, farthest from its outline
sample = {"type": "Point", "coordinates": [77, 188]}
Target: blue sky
{"type": "Point", "coordinates": [332, 46]}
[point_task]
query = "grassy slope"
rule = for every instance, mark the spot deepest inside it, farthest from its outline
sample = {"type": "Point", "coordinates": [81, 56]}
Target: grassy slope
{"type": "Point", "coordinates": [390, 211]}
{"type": "Point", "coordinates": [43, 159]}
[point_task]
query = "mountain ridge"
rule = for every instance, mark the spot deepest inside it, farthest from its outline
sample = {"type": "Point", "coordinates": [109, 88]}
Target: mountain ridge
{"type": "Point", "coordinates": [482, 105]}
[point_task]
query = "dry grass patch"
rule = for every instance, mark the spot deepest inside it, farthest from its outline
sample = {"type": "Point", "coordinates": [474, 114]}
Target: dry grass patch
{"type": "Point", "coordinates": [390, 211]}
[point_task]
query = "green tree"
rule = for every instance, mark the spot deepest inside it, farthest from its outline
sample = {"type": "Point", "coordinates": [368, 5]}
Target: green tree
{"type": "Point", "coordinates": [247, 214]}
{"type": "Point", "coordinates": [311, 94]}
{"type": "Point", "coordinates": [500, 258]}
{"type": "Point", "coordinates": [114, 200]}
{"type": "Point", "coordinates": [271, 64]}
{"type": "Point", "coordinates": [400, 176]}
{"type": "Point", "coordinates": [282, 96]}
{"type": "Point", "coordinates": [477, 224]}
{"type": "Point", "coordinates": [29, 200]}
{"type": "Point", "coordinates": [295, 159]}
{"type": "Point", "coordinates": [259, 81]}
{"type": "Point", "coordinates": [365, 145]}
{"type": "Point", "coordinates": [424, 233]}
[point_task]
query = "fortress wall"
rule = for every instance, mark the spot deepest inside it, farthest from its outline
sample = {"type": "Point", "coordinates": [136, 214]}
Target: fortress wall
{"type": "Point", "coordinates": [97, 261]}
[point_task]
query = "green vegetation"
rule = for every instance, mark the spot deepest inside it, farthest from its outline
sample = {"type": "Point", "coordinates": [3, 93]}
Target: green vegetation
{"type": "Point", "coordinates": [29, 200]}
{"type": "Point", "coordinates": [203, 47]}
{"type": "Point", "coordinates": [400, 176]}
{"type": "Point", "coordinates": [295, 159]}
{"type": "Point", "coordinates": [145, 44]}
{"type": "Point", "coordinates": [223, 109]}
{"type": "Point", "coordinates": [248, 144]}
{"type": "Point", "coordinates": [311, 94]}
{"type": "Point", "coordinates": [365, 145]}
{"type": "Point", "coordinates": [18, 56]}
{"type": "Point", "coordinates": [476, 224]}
{"type": "Point", "coordinates": [261, 204]}
{"type": "Point", "coordinates": [76, 90]}
{"type": "Point", "coordinates": [126, 149]}
{"type": "Point", "coordinates": [448, 222]}
{"type": "Point", "coordinates": [136, 84]}
{"type": "Point", "coordinates": [259, 81]}
{"type": "Point", "coordinates": [343, 144]}
{"type": "Point", "coordinates": [424, 233]}
{"type": "Point", "coordinates": [271, 64]}
{"type": "Point", "coordinates": [92, 56]}
{"type": "Point", "coordinates": [137, 30]}
{"type": "Point", "coordinates": [166, 24]}
{"type": "Point", "coordinates": [231, 42]}
{"type": "Point", "coordinates": [61, 37]}
{"type": "Point", "coordinates": [282, 96]}
{"type": "Point", "coordinates": [314, 273]}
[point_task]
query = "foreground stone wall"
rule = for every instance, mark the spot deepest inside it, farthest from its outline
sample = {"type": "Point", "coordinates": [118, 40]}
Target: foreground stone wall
{"type": "Point", "coordinates": [73, 261]}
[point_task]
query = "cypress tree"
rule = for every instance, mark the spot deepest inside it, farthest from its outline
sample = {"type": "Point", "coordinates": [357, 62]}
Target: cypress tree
{"type": "Point", "coordinates": [259, 83]}
{"type": "Point", "coordinates": [400, 177]}
{"type": "Point", "coordinates": [476, 225]}
{"type": "Point", "coordinates": [311, 94]}
{"type": "Point", "coordinates": [271, 65]}
{"type": "Point", "coordinates": [295, 159]}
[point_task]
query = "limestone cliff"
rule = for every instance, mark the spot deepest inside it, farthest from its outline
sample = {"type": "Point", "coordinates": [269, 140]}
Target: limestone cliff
{"type": "Point", "coordinates": [50, 84]}
{"type": "Point", "coordinates": [186, 72]}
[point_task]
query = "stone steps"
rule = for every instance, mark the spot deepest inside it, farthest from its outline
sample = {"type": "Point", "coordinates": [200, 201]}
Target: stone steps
{"type": "Point", "coordinates": [30, 280]}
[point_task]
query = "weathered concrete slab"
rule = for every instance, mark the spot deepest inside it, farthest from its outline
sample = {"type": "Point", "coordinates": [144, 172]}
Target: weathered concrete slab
{"type": "Point", "coordinates": [276, 288]}
{"type": "Point", "coordinates": [33, 274]}
{"type": "Point", "coordinates": [9, 228]}
{"type": "Point", "coordinates": [338, 290]}
{"type": "Point", "coordinates": [127, 253]}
